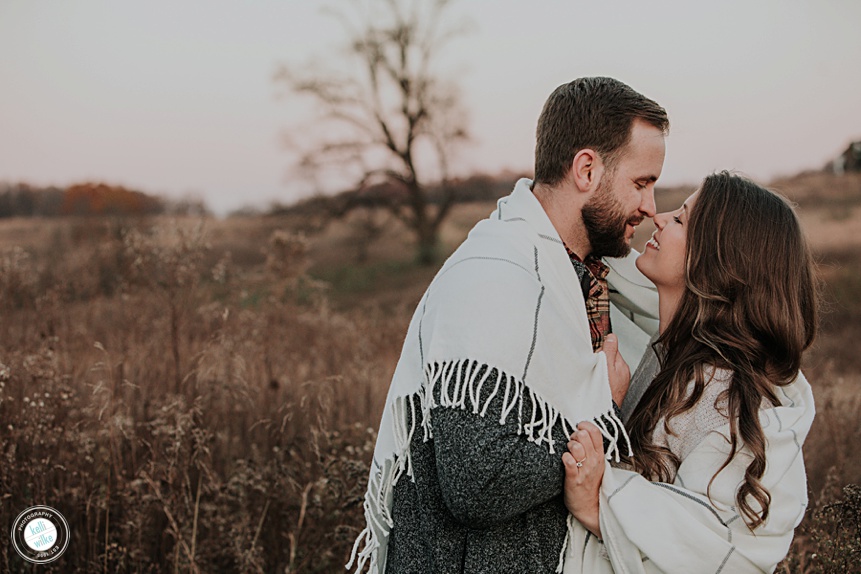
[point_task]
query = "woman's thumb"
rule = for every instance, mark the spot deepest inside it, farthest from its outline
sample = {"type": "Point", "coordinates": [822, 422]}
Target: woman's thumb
{"type": "Point", "coordinates": [611, 345]}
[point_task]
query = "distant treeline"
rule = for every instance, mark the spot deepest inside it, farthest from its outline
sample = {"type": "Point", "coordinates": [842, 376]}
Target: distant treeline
{"type": "Point", "coordinates": [88, 199]}
{"type": "Point", "coordinates": [475, 188]}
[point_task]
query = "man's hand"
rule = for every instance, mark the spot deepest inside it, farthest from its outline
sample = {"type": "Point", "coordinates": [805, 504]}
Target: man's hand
{"type": "Point", "coordinates": [584, 470]}
{"type": "Point", "coordinates": [619, 373]}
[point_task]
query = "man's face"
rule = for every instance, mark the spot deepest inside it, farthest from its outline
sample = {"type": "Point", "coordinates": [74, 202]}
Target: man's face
{"type": "Point", "coordinates": [626, 193]}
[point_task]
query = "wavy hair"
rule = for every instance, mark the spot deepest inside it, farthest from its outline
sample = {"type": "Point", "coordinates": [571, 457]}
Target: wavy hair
{"type": "Point", "coordinates": [750, 306]}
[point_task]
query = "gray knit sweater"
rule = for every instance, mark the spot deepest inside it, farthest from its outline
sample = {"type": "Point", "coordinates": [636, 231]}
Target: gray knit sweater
{"type": "Point", "coordinates": [482, 499]}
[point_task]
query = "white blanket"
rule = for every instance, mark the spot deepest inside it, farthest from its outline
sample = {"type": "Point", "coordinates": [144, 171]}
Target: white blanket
{"type": "Point", "coordinates": [675, 528]}
{"type": "Point", "coordinates": [509, 298]}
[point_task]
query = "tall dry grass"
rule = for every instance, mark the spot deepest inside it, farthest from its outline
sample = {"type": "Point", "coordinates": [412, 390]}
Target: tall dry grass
{"type": "Point", "coordinates": [195, 399]}
{"type": "Point", "coordinates": [185, 416]}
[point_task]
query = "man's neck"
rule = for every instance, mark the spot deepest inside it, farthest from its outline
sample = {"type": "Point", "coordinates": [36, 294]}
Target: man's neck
{"type": "Point", "coordinates": [563, 210]}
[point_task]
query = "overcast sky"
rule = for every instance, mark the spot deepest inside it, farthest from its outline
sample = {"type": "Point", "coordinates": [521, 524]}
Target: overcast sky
{"type": "Point", "coordinates": [178, 97]}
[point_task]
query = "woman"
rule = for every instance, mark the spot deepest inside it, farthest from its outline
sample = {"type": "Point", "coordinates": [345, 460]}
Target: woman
{"type": "Point", "coordinates": [720, 428]}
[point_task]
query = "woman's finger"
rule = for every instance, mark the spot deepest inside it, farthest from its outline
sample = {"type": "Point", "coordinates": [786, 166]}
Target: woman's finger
{"type": "Point", "coordinates": [571, 468]}
{"type": "Point", "coordinates": [593, 436]}
{"type": "Point", "coordinates": [611, 348]}
{"type": "Point", "coordinates": [577, 450]}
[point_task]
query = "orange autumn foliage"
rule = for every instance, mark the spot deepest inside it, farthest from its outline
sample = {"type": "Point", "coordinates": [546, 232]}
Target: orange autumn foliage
{"type": "Point", "coordinates": [103, 199]}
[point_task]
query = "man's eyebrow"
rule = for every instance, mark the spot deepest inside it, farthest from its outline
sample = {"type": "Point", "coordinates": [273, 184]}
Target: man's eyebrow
{"type": "Point", "coordinates": [648, 178]}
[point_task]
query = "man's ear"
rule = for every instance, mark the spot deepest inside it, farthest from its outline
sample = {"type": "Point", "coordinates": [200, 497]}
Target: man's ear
{"type": "Point", "coordinates": [586, 171]}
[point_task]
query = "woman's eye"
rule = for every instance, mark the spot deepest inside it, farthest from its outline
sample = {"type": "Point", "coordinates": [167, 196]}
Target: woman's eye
{"type": "Point", "coordinates": [677, 220]}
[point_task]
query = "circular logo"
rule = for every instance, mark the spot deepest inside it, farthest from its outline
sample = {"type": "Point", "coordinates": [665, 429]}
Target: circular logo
{"type": "Point", "coordinates": [40, 534]}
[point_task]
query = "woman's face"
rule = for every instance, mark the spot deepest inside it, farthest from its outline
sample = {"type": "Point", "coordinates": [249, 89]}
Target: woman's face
{"type": "Point", "coordinates": [663, 260]}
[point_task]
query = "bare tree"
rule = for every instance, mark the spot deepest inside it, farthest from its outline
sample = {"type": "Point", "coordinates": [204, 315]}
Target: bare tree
{"type": "Point", "coordinates": [390, 122]}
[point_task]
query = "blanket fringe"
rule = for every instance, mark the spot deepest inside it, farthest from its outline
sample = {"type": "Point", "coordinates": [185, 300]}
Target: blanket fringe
{"type": "Point", "coordinates": [614, 431]}
{"type": "Point", "coordinates": [378, 517]}
{"type": "Point", "coordinates": [458, 385]}
{"type": "Point", "coordinates": [569, 532]}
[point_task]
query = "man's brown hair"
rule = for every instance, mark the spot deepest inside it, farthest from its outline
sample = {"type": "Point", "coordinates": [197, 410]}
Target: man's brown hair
{"type": "Point", "coordinates": [595, 113]}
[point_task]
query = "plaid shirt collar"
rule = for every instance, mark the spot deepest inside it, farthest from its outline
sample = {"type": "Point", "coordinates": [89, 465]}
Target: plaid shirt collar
{"type": "Point", "coordinates": [592, 273]}
{"type": "Point", "coordinates": [592, 283]}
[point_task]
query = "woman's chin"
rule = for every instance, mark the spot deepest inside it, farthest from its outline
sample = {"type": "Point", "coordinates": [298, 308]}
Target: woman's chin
{"type": "Point", "coordinates": [641, 262]}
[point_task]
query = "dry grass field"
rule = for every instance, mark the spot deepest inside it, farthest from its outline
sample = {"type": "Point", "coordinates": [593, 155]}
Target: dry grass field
{"type": "Point", "coordinates": [202, 396]}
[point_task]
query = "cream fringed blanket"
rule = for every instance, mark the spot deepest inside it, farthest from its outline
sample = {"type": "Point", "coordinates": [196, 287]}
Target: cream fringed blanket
{"type": "Point", "coordinates": [509, 299]}
{"type": "Point", "coordinates": [675, 528]}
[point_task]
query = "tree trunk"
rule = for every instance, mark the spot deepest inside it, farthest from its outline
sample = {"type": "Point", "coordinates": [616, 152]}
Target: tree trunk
{"type": "Point", "coordinates": [423, 223]}
{"type": "Point", "coordinates": [428, 244]}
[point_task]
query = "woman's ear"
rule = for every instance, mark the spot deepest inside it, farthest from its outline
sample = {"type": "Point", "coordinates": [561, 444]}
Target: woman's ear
{"type": "Point", "coordinates": [586, 171]}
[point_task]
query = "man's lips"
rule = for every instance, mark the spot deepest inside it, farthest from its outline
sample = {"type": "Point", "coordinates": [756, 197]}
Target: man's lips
{"type": "Point", "coordinates": [632, 223]}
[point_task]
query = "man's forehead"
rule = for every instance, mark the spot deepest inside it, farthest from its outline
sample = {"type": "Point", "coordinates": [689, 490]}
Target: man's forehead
{"type": "Point", "coordinates": [644, 159]}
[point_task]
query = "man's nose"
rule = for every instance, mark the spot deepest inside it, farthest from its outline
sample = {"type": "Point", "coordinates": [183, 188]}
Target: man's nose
{"type": "Point", "coordinates": [647, 201]}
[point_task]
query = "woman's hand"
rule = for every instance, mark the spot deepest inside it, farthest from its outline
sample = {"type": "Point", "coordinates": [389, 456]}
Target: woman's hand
{"type": "Point", "coordinates": [617, 369]}
{"type": "Point", "coordinates": [584, 470]}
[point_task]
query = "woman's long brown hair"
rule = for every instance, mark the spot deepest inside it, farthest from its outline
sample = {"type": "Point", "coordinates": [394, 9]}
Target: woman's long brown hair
{"type": "Point", "coordinates": [750, 307]}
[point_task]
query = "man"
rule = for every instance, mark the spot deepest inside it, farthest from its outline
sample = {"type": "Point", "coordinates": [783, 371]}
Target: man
{"type": "Point", "coordinates": [504, 353]}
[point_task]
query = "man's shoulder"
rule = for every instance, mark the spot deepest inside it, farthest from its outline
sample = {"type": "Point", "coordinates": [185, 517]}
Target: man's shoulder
{"type": "Point", "coordinates": [494, 250]}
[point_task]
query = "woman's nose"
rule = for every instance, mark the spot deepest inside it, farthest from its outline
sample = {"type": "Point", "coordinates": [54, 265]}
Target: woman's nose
{"type": "Point", "coordinates": [661, 220]}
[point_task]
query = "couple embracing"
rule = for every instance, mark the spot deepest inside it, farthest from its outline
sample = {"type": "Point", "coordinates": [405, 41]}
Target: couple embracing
{"type": "Point", "coordinates": [514, 437]}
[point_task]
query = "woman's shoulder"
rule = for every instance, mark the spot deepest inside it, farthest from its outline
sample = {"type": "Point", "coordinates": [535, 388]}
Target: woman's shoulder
{"type": "Point", "coordinates": [713, 377]}
{"type": "Point", "coordinates": [716, 381]}
{"type": "Point", "coordinates": [717, 375]}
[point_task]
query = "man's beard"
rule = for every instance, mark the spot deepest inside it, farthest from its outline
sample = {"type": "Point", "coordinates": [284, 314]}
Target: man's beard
{"type": "Point", "coordinates": [605, 222]}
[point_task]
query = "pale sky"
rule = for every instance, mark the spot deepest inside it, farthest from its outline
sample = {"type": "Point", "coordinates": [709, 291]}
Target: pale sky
{"type": "Point", "coordinates": [177, 97]}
